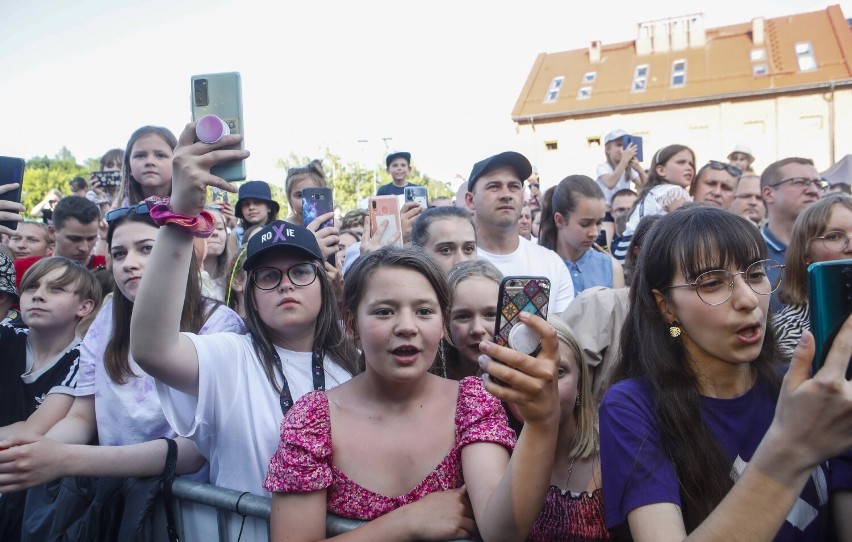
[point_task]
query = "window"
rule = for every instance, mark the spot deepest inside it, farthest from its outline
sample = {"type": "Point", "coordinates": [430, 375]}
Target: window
{"type": "Point", "coordinates": [805, 56]}
{"type": "Point", "coordinates": [640, 78]}
{"type": "Point", "coordinates": [758, 55]}
{"type": "Point", "coordinates": [589, 77]}
{"type": "Point", "coordinates": [553, 91]}
{"type": "Point", "coordinates": [759, 70]}
{"type": "Point", "coordinates": [593, 141]}
{"type": "Point", "coordinates": [585, 92]}
{"type": "Point", "coordinates": [551, 145]}
{"type": "Point", "coordinates": [678, 73]}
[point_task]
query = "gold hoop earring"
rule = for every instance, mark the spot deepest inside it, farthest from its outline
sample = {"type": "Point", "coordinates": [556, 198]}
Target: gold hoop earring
{"type": "Point", "coordinates": [674, 329]}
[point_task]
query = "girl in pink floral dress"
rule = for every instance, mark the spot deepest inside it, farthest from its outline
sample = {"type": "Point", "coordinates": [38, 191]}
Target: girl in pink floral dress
{"type": "Point", "coordinates": [423, 457]}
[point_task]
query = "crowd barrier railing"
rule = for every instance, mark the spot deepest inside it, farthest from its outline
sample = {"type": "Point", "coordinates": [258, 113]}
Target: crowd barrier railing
{"type": "Point", "coordinates": [204, 512]}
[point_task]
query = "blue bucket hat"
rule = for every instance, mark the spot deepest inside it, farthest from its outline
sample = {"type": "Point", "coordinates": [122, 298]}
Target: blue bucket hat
{"type": "Point", "coordinates": [258, 190]}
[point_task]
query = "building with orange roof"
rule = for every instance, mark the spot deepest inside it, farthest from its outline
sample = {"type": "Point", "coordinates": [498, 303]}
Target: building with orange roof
{"type": "Point", "coordinates": [780, 86]}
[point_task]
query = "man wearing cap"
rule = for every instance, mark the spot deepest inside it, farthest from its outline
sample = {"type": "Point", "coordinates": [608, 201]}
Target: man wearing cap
{"type": "Point", "coordinates": [741, 158]}
{"type": "Point", "coordinates": [399, 166]}
{"type": "Point", "coordinates": [495, 194]}
{"type": "Point", "coordinates": [621, 166]}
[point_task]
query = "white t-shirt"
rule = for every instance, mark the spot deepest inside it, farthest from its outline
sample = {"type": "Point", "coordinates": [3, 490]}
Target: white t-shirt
{"type": "Point", "coordinates": [130, 413]}
{"type": "Point", "coordinates": [235, 420]}
{"type": "Point", "coordinates": [656, 202]}
{"type": "Point", "coordinates": [536, 260]}
{"type": "Point", "coordinates": [623, 182]}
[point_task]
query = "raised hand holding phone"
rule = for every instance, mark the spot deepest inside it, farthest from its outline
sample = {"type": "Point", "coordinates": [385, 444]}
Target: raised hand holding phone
{"type": "Point", "coordinates": [191, 169]}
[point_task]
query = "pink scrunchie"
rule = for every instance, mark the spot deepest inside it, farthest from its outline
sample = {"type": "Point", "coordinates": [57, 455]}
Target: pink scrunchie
{"type": "Point", "coordinates": [162, 214]}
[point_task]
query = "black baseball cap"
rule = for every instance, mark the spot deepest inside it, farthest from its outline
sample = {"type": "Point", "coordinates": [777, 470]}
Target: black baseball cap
{"type": "Point", "coordinates": [514, 160]}
{"type": "Point", "coordinates": [281, 234]}
{"type": "Point", "coordinates": [394, 156]}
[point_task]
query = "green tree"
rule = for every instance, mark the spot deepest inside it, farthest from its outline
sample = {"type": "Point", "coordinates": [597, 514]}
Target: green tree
{"type": "Point", "coordinates": [352, 182]}
{"type": "Point", "coordinates": [43, 173]}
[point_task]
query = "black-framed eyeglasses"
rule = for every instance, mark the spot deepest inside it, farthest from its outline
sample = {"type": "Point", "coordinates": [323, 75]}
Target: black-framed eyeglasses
{"type": "Point", "coordinates": [115, 214]}
{"type": "Point", "coordinates": [835, 241]}
{"type": "Point", "coordinates": [719, 166]}
{"type": "Point", "coordinates": [716, 287]}
{"type": "Point", "coordinates": [803, 183]}
{"type": "Point", "coordinates": [269, 278]}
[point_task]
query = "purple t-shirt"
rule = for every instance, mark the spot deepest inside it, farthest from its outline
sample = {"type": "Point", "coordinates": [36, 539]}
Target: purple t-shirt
{"type": "Point", "coordinates": [636, 471]}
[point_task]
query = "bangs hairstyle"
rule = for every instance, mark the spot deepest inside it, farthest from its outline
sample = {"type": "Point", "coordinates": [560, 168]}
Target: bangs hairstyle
{"type": "Point", "coordinates": [811, 223]}
{"type": "Point", "coordinates": [692, 239]}
{"type": "Point", "coordinates": [328, 333]}
{"type": "Point", "coordinates": [130, 187]}
{"type": "Point", "coordinates": [420, 230]}
{"type": "Point", "coordinates": [562, 199]}
{"type": "Point", "coordinates": [114, 156]}
{"type": "Point", "coordinates": [586, 441]}
{"type": "Point", "coordinates": [86, 286]}
{"type": "Point", "coordinates": [355, 285]}
{"type": "Point", "coordinates": [196, 309]}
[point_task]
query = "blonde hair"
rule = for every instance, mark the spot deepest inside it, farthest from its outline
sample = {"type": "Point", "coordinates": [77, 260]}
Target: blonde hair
{"type": "Point", "coordinates": [586, 440]}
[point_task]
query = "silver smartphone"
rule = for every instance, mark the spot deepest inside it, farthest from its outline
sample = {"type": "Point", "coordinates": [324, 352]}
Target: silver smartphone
{"type": "Point", "coordinates": [220, 94]}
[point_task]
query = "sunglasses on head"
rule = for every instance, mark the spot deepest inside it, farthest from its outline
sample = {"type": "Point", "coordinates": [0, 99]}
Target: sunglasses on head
{"type": "Point", "coordinates": [115, 214]}
{"type": "Point", "coordinates": [719, 166]}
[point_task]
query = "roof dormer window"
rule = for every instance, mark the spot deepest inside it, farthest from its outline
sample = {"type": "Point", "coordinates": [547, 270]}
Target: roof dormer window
{"type": "Point", "coordinates": [679, 73]}
{"type": "Point", "coordinates": [553, 91]}
{"type": "Point", "coordinates": [640, 78]}
{"type": "Point", "coordinates": [805, 56]}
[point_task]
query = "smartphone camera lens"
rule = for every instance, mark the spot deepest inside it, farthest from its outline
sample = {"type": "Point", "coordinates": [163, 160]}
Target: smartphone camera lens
{"type": "Point", "coordinates": [200, 87]}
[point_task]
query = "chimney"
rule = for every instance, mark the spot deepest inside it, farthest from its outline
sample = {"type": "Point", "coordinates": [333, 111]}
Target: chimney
{"type": "Point", "coordinates": [660, 37]}
{"type": "Point", "coordinates": [697, 36]}
{"type": "Point", "coordinates": [757, 31]}
{"type": "Point", "coordinates": [643, 41]}
{"type": "Point", "coordinates": [679, 34]}
{"type": "Point", "coordinates": [595, 52]}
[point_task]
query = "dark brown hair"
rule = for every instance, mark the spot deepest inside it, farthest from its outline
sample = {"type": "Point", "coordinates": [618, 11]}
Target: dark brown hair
{"type": "Point", "coordinates": [193, 316]}
{"type": "Point", "coordinates": [328, 333]}
{"type": "Point", "coordinates": [688, 240]}
{"type": "Point", "coordinates": [562, 199]}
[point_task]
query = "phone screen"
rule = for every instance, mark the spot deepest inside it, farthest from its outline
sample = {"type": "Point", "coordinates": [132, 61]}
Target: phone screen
{"type": "Point", "coordinates": [11, 171]}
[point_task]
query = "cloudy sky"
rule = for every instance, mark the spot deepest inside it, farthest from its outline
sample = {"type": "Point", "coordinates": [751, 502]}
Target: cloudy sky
{"type": "Point", "coordinates": [437, 78]}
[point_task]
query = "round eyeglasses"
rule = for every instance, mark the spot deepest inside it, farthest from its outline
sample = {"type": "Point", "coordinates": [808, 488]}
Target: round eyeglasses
{"type": "Point", "coordinates": [715, 287]}
{"type": "Point", "coordinates": [835, 241]}
{"type": "Point", "coordinates": [268, 278]}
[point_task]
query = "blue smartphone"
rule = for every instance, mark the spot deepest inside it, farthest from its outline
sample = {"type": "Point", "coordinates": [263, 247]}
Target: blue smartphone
{"type": "Point", "coordinates": [221, 94]}
{"type": "Point", "coordinates": [636, 140]}
{"type": "Point", "coordinates": [830, 303]}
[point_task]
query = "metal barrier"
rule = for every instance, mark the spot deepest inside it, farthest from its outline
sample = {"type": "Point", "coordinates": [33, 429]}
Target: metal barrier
{"type": "Point", "coordinates": [206, 512]}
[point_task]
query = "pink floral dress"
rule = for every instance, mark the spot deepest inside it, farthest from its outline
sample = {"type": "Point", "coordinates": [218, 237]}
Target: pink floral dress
{"type": "Point", "coordinates": [304, 461]}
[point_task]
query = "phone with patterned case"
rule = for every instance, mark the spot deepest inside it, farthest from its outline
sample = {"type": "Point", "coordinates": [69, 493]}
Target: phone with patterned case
{"type": "Point", "coordinates": [517, 295]}
{"type": "Point", "coordinates": [317, 201]}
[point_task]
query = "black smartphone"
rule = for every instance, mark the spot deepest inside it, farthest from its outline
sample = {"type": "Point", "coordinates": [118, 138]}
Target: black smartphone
{"type": "Point", "coordinates": [107, 179]}
{"type": "Point", "coordinates": [636, 140]}
{"type": "Point", "coordinates": [830, 303]}
{"type": "Point", "coordinates": [517, 295]}
{"type": "Point", "coordinates": [317, 201]}
{"type": "Point", "coordinates": [417, 194]}
{"type": "Point", "coordinates": [11, 171]}
{"type": "Point", "coordinates": [220, 94]}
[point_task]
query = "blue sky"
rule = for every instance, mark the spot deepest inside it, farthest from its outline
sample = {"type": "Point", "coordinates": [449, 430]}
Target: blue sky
{"type": "Point", "coordinates": [440, 78]}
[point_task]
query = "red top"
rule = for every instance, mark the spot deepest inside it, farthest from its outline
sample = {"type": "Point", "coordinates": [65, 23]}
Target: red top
{"type": "Point", "coordinates": [304, 461]}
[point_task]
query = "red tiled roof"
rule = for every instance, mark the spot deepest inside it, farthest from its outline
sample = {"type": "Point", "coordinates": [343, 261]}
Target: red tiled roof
{"type": "Point", "coordinates": [722, 69]}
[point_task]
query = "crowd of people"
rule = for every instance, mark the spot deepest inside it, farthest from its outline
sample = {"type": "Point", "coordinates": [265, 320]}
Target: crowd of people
{"type": "Point", "coordinates": [671, 395]}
